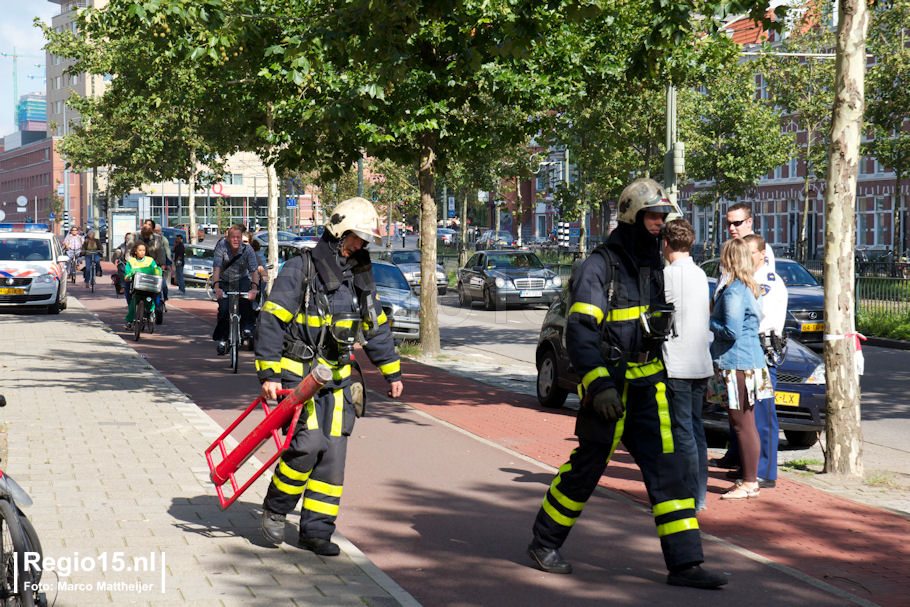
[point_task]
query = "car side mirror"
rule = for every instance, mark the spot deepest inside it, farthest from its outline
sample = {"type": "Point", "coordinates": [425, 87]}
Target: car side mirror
{"type": "Point", "coordinates": [477, 268]}
{"type": "Point", "coordinates": [62, 258]}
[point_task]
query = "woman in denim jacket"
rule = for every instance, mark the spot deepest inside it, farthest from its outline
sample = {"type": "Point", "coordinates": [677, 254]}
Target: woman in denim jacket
{"type": "Point", "coordinates": [736, 350]}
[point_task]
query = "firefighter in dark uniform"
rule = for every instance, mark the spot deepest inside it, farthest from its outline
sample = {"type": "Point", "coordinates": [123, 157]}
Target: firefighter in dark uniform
{"type": "Point", "coordinates": [318, 298]}
{"type": "Point", "coordinates": [616, 323]}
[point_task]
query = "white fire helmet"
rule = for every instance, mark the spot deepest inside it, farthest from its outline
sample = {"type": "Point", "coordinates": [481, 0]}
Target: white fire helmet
{"type": "Point", "coordinates": [355, 215]}
{"type": "Point", "coordinates": [644, 195]}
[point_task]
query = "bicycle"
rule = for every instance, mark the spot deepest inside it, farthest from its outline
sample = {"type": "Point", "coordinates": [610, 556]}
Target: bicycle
{"type": "Point", "coordinates": [19, 543]}
{"type": "Point", "coordinates": [235, 340]}
{"type": "Point", "coordinates": [90, 260]}
{"type": "Point", "coordinates": [146, 290]}
{"type": "Point", "coordinates": [71, 265]}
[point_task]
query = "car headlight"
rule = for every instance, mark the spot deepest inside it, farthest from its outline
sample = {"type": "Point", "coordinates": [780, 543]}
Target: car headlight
{"type": "Point", "coordinates": [440, 276]}
{"type": "Point", "coordinates": [45, 278]}
{"type": "Point", "coordinates": [557, 281]}
{"type": "Point", "coordinates": [500, 282]}
{"type": "Point", "coordinates": [817, 376]}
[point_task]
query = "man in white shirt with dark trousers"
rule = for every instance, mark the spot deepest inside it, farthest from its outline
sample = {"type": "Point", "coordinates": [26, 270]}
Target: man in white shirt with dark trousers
{"type": "Point", "coordinates": [686, 353]}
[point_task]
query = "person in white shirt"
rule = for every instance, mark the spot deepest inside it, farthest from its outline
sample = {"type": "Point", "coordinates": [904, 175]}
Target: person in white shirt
{"type": "Point", "coordinates": [686, 353]}
{"type": "Point", "coordinates": [770, 329]}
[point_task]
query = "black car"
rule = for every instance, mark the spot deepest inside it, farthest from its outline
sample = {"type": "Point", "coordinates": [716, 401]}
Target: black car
{"type": "Point", "coordinates": [805, 298]}
{"type": "Point", "coordinates": [799, 399]}
{"type": "Point", "coordinates": [499, 278]}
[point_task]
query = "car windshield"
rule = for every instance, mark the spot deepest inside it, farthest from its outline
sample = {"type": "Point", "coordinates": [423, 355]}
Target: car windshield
{"type": "Point", "coordinates": [389, 276]}
{"type": "Point", "coordinates": [521, 260]}
{"type": "Point", "coordinates": [282, 237]}
{"type": "Point", "coordinates": [199, 252]}
{"type": "Point", "coordinates": [793, 274]}
{"type": "Point", "coordinates": [406, 257]}
{"type": "Point", "coordinates": [25, 249]}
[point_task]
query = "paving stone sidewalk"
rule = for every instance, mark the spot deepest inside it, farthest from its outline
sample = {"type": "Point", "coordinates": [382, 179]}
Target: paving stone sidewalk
{"type": "Point", "coordinates": [112, 455]}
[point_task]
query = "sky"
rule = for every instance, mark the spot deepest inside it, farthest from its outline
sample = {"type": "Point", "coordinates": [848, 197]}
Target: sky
{"type": "Point", "coordinates": [16, 30]}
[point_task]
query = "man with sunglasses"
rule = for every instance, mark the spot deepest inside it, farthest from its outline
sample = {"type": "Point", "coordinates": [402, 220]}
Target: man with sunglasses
{"type": "Point", "coordinates": [739, 225]}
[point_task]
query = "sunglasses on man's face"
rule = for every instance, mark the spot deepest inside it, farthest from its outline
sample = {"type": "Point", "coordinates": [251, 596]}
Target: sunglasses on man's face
{"type": "Point", "coordinates": [738, 223]}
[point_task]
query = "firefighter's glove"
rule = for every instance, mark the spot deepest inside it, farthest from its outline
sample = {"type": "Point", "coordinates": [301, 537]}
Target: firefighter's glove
{"type": "Point", "coordinates": [607, 404]}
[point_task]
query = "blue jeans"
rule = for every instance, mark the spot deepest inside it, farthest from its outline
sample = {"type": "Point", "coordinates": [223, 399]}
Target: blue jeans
{"type": "Point", "coordinates": [768, 434]}
{"type": "Point", "coordinates": [91, 260]}
{"type": "Point", "coordinates": [181, 285]}
{"type": "Point", "coordinates": [686, 398]}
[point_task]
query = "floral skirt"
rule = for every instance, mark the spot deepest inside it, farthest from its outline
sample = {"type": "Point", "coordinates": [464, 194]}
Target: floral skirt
{"type": "Point", "coordinates": [723, 389]}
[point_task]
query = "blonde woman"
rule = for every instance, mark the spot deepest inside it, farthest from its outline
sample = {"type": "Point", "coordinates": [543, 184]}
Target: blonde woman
{"type": "Point", "coordinates": [739, 358]}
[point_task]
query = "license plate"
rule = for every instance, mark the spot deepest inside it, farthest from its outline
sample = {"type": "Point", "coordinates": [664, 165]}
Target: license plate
{"type": "Point", "coordinates": [201, 275]}
{"type": "Point", "coordinates": [12, 291]}
{"type": "Point", "coordinates": [530, 293]}
{"type": "Point", "coordinates": [812, 327]}
{"type": "Point", "coordinates": [787, 399]}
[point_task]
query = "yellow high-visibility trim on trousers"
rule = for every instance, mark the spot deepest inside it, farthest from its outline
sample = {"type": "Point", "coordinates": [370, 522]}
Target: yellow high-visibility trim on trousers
{"type": "Point", "coordinates": [337, 412]}
{"type": "Point", "coordinates": [325, 488]}
{"type": "Point", "coordinates": [663, 414]}
{"type": "Point", "coordinates": [588, 309]}
{"type": "Point", "coordinates": [673, 505]}
{"type": "Point", "coordinates": [559, 496]}
{"type": "Point", "coordinates": [292, 474]}
{"type": "Point", "coordinates": [320, 507]}
{"type": "Point", "coordinates": [285, 487]}
{"type": "Point", "coordinates": [620, 423]}
{"type": "Point", "coordinates": [679, 526]}
{"type": "Point", "coordinates": [557, 516]}
{"type": "Point", "coordinates": [312, 422]}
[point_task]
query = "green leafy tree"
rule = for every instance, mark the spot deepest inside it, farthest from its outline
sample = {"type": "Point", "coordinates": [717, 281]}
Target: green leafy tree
{"type": "Point", "coordinates": [803, 85]}
{"type": "Point", "coordinates": [733, 139]}
{"type": "Point", "coordinates": [888, 101]}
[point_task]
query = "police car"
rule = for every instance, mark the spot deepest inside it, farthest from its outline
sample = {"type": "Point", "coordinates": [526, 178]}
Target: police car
{"type": "Point", "coordinates": [32, 267]}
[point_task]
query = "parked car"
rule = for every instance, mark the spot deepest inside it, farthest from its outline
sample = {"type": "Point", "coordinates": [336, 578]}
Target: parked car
{"type": "Point", "coordinates": [805, 298]}
{"type": "Point", "coordinates": [799, 399]}
{"type": "Point", "coordinates": [283, 238]}
{"type": "Point", "coordinates": [32, 267]}
{"type": "Point", "coordinates": [408, 260]}
{"type": "Point", "coordinates": [171, 235]}
{"type": "Point", "coordinates": [492, 239]}
{"type": "Point", "coordinates": [447, 235]}
{"type": "Point", "coordinates": [310, 236]}
{"type": "Point", "coordinates": [400, 304]}
{"type": "Point", "coordinates": [198, 262]}
{"type": "Point", "coordinates": [499, 278]}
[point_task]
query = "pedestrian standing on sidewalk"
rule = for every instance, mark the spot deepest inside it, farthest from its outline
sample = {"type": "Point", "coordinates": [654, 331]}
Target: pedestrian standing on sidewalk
{"type": "Point", "coordinates": [687, 354]}
{"type": "Point", "coordinates": [770, 333]}
{"type": "Point", "coordinates": [742, 377]}
{"type": "Point", "coordinates": [318, 295]}
{"type": "Point", "coordinates": [739, 225]}
{"type": "Point", "coordinates": [179, 254]}
{"type": "Point", "coordinates": [616, 324]}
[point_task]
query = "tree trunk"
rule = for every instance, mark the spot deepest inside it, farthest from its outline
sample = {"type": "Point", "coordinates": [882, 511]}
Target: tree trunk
{"type": "Point", "coordinates": [897, 225]}
{"type": "Point", "coordinates": [463, 247]}
{"type": "Point", "coordinates": [426, 179]}
{"type": "Point", "coordinates": [802, 247]}
{"type": "Point", "coordinates": [843, 430]}
{"type": "Point", "coordinates": [191, 198]}
{"type": "Point", "coordinates": [272, 181]}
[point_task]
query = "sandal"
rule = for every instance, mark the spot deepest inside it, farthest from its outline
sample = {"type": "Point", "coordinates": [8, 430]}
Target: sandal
{"type": "Point", "coordinates": [739, 492]}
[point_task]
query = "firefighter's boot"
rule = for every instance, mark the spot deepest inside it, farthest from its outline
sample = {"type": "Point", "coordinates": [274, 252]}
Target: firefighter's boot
{"type": "Point", "coordinates": [696, 577]}
{"type": "Point", "coordinates": [272, 525]}
{"type": "Point", "coordinates": [319, 545]}
{"type": "Point", "coordinates": [548, 559]}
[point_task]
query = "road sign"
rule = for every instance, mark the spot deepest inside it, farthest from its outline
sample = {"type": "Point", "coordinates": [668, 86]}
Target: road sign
{"type": "Point", "coordinates": [451, 213]}
{"type": "Point", "coordinates": [291, 202]}
{"type": "Point", "coordinates": [51, 215]}
{"type": "Point", "coordinates": [60, 190]}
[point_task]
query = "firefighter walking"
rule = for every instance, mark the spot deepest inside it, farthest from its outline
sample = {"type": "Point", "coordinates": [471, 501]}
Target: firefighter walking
{"type": "Point", "coordinates": [616, 324]}
{"type": "Point", "coordinates": [322, 302]}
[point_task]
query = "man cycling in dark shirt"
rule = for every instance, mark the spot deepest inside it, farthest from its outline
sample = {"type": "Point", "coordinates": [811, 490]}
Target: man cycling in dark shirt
{"type": "Point", "coordinates": [235, 267]}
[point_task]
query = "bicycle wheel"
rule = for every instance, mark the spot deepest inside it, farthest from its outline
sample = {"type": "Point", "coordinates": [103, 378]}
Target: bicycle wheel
{"type": "Point", "coordinates": [235, 343]}
{"type": "Point", "coordinates": [15, 581]}
{"type": "Point", "coordinates": [150, 323]}
{"type": "Point", "coordinates": [138, 318]}
{"type": "Point", "coordinates": [34, 544]}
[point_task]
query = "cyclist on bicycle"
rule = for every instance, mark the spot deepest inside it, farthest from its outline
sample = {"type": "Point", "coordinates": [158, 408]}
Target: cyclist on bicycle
{"type": "Point", "coordinates": [156, 247]}
{"type": "Point", "coordinates": [235, 268]}
{"type": "Point", "coordinates": [91, 248]}
{"type": "Point", "coordinates": [72, 245]}
{"type": "Point", "coordinates": [138, 263]}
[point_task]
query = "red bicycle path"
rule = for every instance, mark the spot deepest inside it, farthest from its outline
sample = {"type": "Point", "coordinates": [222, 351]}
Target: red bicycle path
{"type": "Point", "coordinates": [847, 545]}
